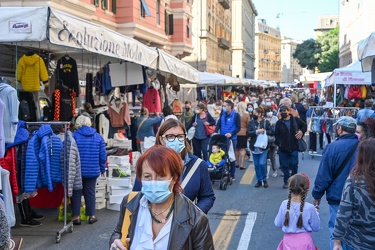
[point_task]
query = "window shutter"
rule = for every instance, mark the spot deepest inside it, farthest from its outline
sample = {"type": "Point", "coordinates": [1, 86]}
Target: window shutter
{"type": "Point", "coordinates": [105, 4]}
{"type": "Point", "coordinates": [96, 3]}
{"type": "Point", "coordinates": [170, 17]}
{"type": "Point", "coordinates": [166, 23]}
{"type": "Point", "coordinates": [114, 6]}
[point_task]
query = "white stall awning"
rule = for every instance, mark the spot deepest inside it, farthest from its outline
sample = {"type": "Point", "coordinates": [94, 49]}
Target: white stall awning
{"type": "Point", "coordinates": [210, 79]}
{"type": "Point", "coordinates": [175, 66]}
{"type": "Point", "coordinates": [351, 74]}
{"type": "Point", "coordinates": [366, 52]}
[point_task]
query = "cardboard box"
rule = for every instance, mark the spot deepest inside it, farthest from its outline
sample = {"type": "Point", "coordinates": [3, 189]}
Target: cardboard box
{"type": "Point", "coordinates": [100, 192]}
{"type": "Point", "coordinates": [119, 182]}
{"type": "Point", "coordinates": [101, 182]}
{"type": "Point", "coordinates": [117, 198]}
{"type": "Point", "coordinates": [122, 160]}
{"type": "Point", "coordinates": [114, 206]}
{"type": "Point", "coordinates": [114, 190]}
{"type": "Point", "coordinates": [100, 205]}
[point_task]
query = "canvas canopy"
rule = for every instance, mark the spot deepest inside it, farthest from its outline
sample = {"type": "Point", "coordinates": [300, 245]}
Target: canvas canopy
{"type": "Point", "coordinates": [351, 74]}
{"type": "Point", "coordinates": [366, 52]}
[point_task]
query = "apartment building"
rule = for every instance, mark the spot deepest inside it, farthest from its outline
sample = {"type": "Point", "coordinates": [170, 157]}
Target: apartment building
{"type": "Point", "coordinates": [267, 52]}
{"type": "Point", "coordinates": [290, 69]}
{"type": "Point", "coordinates": [165, 24]}
{"type": "Point", "coordinates": [243, 38]}
{"type": "Point", "coordinates": [357, 21]}
{"type": "Point", "coordinates": [325, 24]}
{"type": "Point", "coordinates": [212, 36]}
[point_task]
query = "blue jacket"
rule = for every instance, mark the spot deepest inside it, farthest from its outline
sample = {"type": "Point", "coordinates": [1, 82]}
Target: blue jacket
{"type": "Point", "coordinates": [333, 156]}
{"type": "Point", "coordinates": [147, 128]}
{"type": "Point", "coordinates": [22, 135]}
{"type": "Point", "coordinates": [199, 186]}
{"type": "Point", "coordinates": [229, 124]}
{"type": "Point", "coordinates": [43, 160]}
{"type": "Point", "coordinates": [92, 152]}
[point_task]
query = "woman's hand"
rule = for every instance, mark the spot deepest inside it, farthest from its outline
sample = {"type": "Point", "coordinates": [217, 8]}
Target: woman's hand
{"type": "Point", "coordinates": [206, 123]}
{"type": "Point", "coordinates": [195, 124]}
{"type": "Point", "coordinates": [337, 245]}
{"type": "Point", "coordinates": [117, 244]}
{"type": "Point", "coordinates": [102, 174]}
{"type": "Point", "coordinates": [260, 131]}
{"type": "Point", "coordinates": [299, 134]}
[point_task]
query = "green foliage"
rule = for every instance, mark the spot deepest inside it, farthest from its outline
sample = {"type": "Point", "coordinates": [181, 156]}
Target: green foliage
{"type": "Point", "coordinates": [305, 54]}
{"type": "Point", "coordinates": [328, 57]}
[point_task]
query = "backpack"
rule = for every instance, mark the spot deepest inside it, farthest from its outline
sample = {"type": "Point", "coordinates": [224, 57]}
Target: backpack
{"type": "Point", "coordinates": [24, 110]}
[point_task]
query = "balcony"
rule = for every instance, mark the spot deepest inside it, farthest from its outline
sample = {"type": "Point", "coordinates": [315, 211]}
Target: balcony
{"type": "Point", "coordinates": [224, 44]}
{"type": "Point", "coordinates": [225, 4]}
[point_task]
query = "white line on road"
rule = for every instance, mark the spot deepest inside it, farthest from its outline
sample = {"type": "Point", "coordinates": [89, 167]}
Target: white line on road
{"type": "Point", "coordinates": [246, 233]}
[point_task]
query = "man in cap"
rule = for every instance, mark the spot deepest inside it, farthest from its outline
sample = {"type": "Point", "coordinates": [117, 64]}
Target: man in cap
{"type": "Point", "coordinates": [337, 161]}
{"type": "Point", "coordinates": [288, 130]}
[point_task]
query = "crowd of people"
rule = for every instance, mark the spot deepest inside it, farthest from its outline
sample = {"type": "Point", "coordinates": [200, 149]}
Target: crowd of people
{"type": "Point", "coordinates": [258, 127]}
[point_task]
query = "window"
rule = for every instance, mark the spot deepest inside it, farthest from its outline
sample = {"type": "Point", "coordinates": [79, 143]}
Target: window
{"type": "Point", "coordinates": [114, 6]}
{"type": "Point", "coordinates": [168, 23]}
{"type": "Point", "coordinates": [144, 9]}
{"type": "Point", "coordinates": [187, 28]}
{"type": "Point", "coordinates": [105, 4]}
{"type": "Point", "coordinates": [96, 3]}
{"type": "Point", "coordinates": [158, 12]}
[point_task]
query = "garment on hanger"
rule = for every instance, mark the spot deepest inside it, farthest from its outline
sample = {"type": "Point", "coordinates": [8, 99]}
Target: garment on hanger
{"type": "Point", "coordinates": [89, 98]}
{"type": "Point", "coordinates": [67, 72]}
{"type": "Point", "coordinates": [31, 70]}
{"type": "Point", "coordinates": [119, 113]}
{"type": "Point", "coordinates": [103, 127]}
{"type": "Point", "coordinates": [11, 104]}
{"type": "Point", "coordinates": [63, 103]}
{"type": "Point", "coordinates": [42, 160]}
{"type": "Point", "coordinates": [106, 87]}
{"type": "Point", "coordinates": [151, 100]}
{"type": "Point", "coordinates": [9, 163]}
{"type": "Point", "coordinates": [7, 195]}
{"type": "Point", "coordinates": [4, 227]}
{"type": "Point", "coordinates": [2, 136]}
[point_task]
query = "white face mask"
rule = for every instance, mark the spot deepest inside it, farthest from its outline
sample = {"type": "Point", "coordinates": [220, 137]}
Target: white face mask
{"type": "Point", "coordinates": [269, 114]}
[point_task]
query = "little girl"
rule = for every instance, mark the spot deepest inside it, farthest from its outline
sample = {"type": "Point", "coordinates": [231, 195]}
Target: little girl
{"type": "Point", "coordinates": [296, 217]}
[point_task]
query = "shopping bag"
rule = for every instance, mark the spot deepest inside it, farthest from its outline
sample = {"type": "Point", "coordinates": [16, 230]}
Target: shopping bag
{"type": "Point", "coordinates": [302, 146]}
{"type": "Point", "coordinates": [191, 133]}
{"type": "Point", "coordinates": [149, 141]}
{"type": "Point", "coordinates": [69, 213]}
{"type": "Point", "coordinates": [262, 141]}
{"type": "Point", "coordinates": [231, 155]}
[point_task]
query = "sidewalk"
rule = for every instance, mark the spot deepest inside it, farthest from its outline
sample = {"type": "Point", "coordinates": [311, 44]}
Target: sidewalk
{"type": "Point", "coordinates": [85, 236]}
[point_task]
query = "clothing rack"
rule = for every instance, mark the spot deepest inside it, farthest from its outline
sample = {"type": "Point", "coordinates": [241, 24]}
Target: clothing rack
{"type": "Point", "coordinates": [68, 227]}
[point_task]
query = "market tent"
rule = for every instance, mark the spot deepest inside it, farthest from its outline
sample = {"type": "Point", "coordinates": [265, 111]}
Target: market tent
{"type": "Point", "coordinates": [210, 79]}
{"type": "Point", "coordinates": [310, 78]}
{"type": "Point", "coordinates": [173, 65]}
{"type": "Point", "coordinates": [351, 74]}
{"type": "Point", "coordinates": [366, 52]}
{"type": "Point", "coordinates": [230, 80]}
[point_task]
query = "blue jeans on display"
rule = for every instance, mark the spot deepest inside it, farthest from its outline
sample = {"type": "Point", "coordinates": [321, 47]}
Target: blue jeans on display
{"type": "Point", "coordinates": [233, 163]}
{"type": "Point", "coordinates": [260, 165]}
{"type": "Point", "coordinates": [200, 148]}
{"type": "Point", "coordinates": [88, 191]}
{"type": "Point", "coordinates": [288, 161]}
{"type": "Point", "coordinates": [331, 223]}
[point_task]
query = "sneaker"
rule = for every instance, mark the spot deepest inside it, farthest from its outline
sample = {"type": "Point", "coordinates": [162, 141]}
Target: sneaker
{"type": "Point", "coordinates": [265, 184]}
{"type": "Point", "coordinates": [282, 174]}
{"type": "Point", "coordinates": [274, 174]}
{"type": "Point", "coordinates": [285, 186]}
{"type": "Point", "coordinates": [36, 216]}
{"type": "Point", "coordinates": [259, 184]}
{"type": "Point", "coordinates": [30, 223]}
{"type": "Point", "coordinates": [315, 152]}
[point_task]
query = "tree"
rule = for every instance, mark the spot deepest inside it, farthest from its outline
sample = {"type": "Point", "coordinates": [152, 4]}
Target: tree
{"type": "Point", "coordinates": [328, 57]}
{"type": "Point", "coordinates": [305, 54]}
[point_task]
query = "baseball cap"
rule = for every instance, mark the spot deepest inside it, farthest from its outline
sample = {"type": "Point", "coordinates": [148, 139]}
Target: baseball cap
{"type": "Point", "coordinates": [347, 121]}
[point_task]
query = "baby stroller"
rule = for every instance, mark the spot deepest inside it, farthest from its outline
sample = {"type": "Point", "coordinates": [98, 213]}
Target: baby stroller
{"type": "Point", "coordinates": [220, 173]}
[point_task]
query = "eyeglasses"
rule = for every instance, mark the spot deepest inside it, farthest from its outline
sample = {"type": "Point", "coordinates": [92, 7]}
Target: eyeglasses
{"type": "Point", "coordinates": [171, 137]}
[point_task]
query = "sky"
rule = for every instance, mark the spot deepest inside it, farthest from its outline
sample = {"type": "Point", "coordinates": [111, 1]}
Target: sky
{"type": "Point", "coordinates": [297, 18]}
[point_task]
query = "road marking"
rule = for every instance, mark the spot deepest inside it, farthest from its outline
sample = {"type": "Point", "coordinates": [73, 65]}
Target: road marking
{"type": "Point", "coordinates": [247, 231]}
{"type": "Point", "coordinates": [224, 231]}
{"type": "Point", "coordinates": [248, 176]}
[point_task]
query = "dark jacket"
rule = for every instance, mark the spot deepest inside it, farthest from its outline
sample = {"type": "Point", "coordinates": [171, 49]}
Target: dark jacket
{"type": "Point", "coordinates": [333, 156]}
{"type": "Point", "coordinates": [253, 126]}
{"type": "Point", "coordinates": [285, 139]}
{"type": "Point", "coordinates": [301, 111]}
{"type": "Point", "coordinates": [189, 230]}
{"type": "Point", "coordinates": [199, 186]}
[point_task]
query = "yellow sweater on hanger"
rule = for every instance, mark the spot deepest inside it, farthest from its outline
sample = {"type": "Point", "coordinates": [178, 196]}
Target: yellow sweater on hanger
{"type": "Point", "coordinates": [30, 71]}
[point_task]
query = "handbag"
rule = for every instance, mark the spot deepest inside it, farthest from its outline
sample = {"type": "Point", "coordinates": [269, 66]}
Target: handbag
{"type": "Point", "coordinates": [210, 129]}
{"type": "Point", "coordinates": [302, 146]}
{"type": "Point", "coordinates": [363, 92]}
{"type": "Point", "coordinates": [354, 92]}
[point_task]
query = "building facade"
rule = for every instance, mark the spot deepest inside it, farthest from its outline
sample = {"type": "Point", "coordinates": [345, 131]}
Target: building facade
{"type": "Point", "coordinates": [356, 23]}
{"type": "Point", "coordinates": [325, 24]}
{"type": "Point", "coordinates": [165, 24]}
{"type": "Point", "coordinates": [267, 52]}
{"type": "Point", "coordinates": [212, 37]}
{"type": "Point", "coordinates": [290, 69]}
{"type": "Point", "coordinates": [243, 38]}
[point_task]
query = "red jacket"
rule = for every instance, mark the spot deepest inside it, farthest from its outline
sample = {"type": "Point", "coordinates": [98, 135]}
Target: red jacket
{"type": "Point", "coordinates": [9, 163]}
{"type": "Point", "coordinates": [151, 100]}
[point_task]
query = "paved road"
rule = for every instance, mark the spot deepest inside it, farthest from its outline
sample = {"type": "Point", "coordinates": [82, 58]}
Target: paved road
{"type": "Point", "coordinates": [242, 218]}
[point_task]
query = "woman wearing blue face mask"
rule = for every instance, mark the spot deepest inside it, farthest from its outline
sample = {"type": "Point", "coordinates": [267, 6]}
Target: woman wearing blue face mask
{"type": "Point", "coordinates": [161, 217]}
{"type": "Point", "coordinates": [172, 134]}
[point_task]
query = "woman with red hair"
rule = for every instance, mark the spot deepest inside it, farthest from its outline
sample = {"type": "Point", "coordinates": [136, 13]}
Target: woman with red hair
{"type": "Point", "coordinates": [162, 218]}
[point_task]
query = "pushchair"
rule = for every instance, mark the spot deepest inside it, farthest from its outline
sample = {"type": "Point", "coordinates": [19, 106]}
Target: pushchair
{"type": "Point", "coordinates": [220, 173]}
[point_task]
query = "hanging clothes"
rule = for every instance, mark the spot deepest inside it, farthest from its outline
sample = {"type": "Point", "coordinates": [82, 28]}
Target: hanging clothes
{"type": "Point", "coordinates": [119, 113]}
{"type": "Point", "coordinates": [7, 195]}
{"type": "Point", "coordinates": [31, 70]}
{"type": "Point", "coordinates": [43, 160]}
{"type": "Point", "coordinates": [64, 105]}
{"type": "Point", "coordinates": [11, 104]}
{"type": "Point", "coordinates": [89, 96]}
{"type": "Point", "coordinates": [2, 136]}
{"type": "Point", "coordinates": [103, 127]}
{"type": "Point", "coordinates": [106, 87]}
{"type": "Point", "coordinates": [9, 163]}
{"type": "Point", "coordinates": [151, 100]}
{"type": "Point", "coordinates": [67, 72]}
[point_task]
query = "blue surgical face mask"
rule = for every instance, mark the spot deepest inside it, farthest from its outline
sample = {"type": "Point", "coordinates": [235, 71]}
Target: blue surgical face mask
{"type": "Point", "coordinates": [250, 109]}
{"type": "Point", "coordinates": [268, 104]}
{"type": "Point", "coordinates": [225, 109]}
{"type": "Point", "coordinates": [156, 191]}
{"type": "Point", "coordinates": [176, 145]}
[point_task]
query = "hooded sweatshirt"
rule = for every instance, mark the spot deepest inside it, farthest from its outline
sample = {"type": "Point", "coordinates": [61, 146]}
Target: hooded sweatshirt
{"type": "Point", "coordinates": [92, 152]}
{"type": "Point", "coordinates": [30, 71]}
{"type": "Point", "coordinates": [9, 96]}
